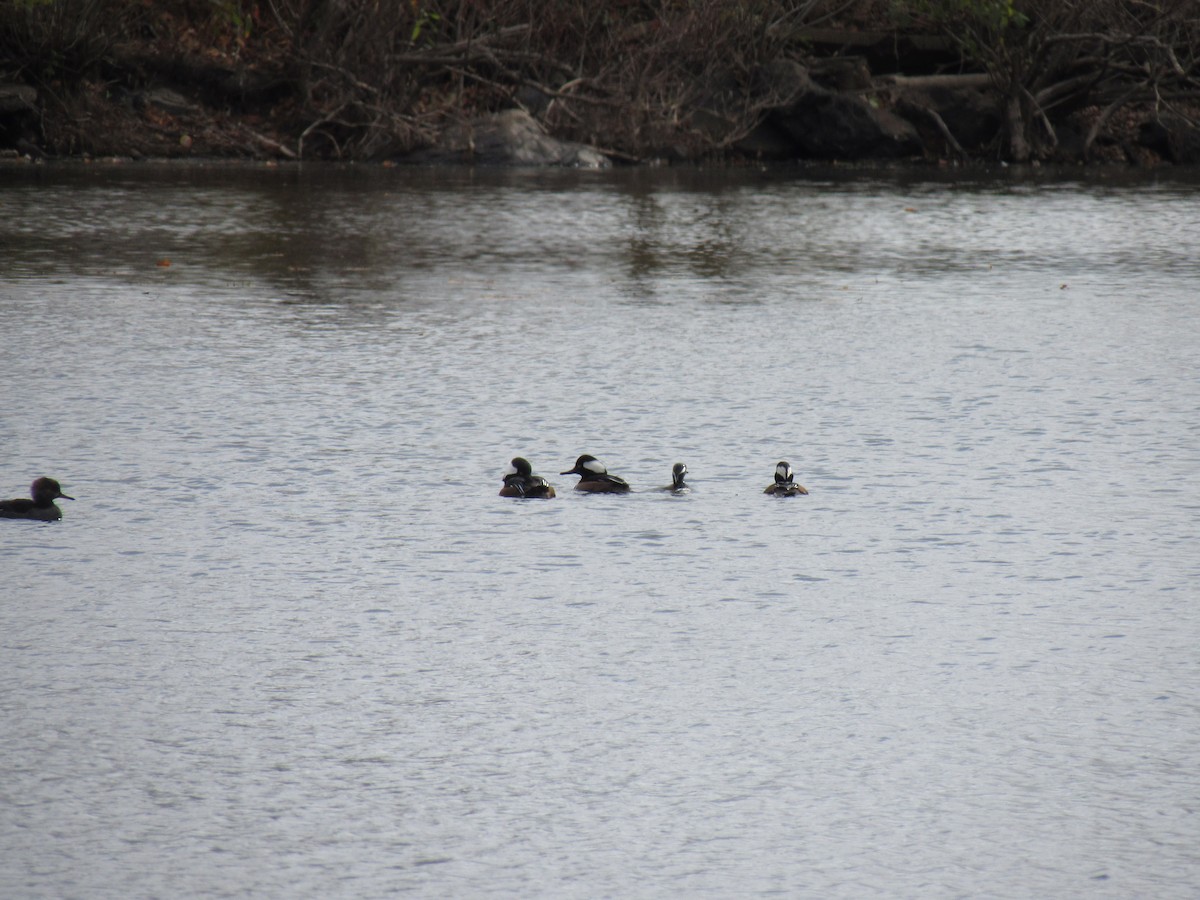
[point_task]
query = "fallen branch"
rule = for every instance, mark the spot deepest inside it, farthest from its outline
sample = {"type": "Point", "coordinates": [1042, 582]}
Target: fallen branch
{"type": "Point", "coordinates": [271, 144]}
{"type": "Point", "coordinates": [1041, 115]}
{"type": "Point", "coordinates": [919, 82]}
{"type": "Point", "coordinates": [459, 51]}
{"type": "Point", "coordinates": [944, 129]}
{"type": "Point", "coordinates": [1047, 95]}
{"type": "Point", "coordinates": [324, 120]}
{"type": "Point", "coordinates": [1105, 115]}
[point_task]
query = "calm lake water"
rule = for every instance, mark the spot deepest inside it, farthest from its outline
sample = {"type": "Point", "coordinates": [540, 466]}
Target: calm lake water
{"type": "Point", "coordinates": [289, 642]}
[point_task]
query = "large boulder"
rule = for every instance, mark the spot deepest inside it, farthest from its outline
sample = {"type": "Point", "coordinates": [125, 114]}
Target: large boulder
{"type": "Point", "coordinates": [1172, 136]}
{"type": "Point", "coordinates": [18, 118]}
{"type": "Point", "coordinates": [17, 98]}
{"type": "Point", "coordinates": [508, 138]}
{"type": "Point", "coordinates": [825, 124]}
{"type": "Point", "coordinates": [812, 121]}
{"type": "Point", "coordinates": [970, 112]}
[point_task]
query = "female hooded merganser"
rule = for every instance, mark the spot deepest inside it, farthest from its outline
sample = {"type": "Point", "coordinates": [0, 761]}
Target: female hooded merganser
{"type": "Point", "coordinates": [519, 481]}
{"type": "Point", "coordinates": [784, 486]}
{"type": "Point", "coordinates": [677, 484]}
{"type": "Point", "coordinates": [41, 508]}
{"type": "Point", "coordinates": [593, 477]}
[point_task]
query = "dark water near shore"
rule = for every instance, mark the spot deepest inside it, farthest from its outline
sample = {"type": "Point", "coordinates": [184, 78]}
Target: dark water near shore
{"type": "Point", "coordinates": [288, 642]}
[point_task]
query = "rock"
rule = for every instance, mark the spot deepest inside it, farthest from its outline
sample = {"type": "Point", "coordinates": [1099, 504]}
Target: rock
{"type": "Point", "coordinates": [970, 114]}
{"type": "Point", "coordinates": [508, 138]}
{"type": "Point", "coordinates": [767, 142]}
{"type": "Point", "coordinates": [782, 78]}
{"type": "Point", "coordinates": [841, 73]}
{"type": "Point", "coordinates": [18, 118]}
{"type": "Point", "coordinates": [17, 98]}
{"type": "Point", "coordinates": [533, 101]}
{"type": "Point", "coordinates": [811, 121]}
{"type": "Point", "coordinates": [1173, 137]}
{"type": "Point", "coordinates": [166, 99]}
{"type": "Point", "coordinates": [825, 124]}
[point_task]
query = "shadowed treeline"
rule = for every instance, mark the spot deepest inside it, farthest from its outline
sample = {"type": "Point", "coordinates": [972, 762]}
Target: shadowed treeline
{"type": "Point", "coordinates": [659, 79]}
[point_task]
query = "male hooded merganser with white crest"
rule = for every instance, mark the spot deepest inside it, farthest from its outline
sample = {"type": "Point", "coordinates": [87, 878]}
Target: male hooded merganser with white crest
{"type": "Point", "coordinates": [594, 478]}
{"type": "Point", "coordinates": [519, 481]}
{"type": "Point", "coordinates": [784, 485]}
{"type": "Point", "coordinates": [41, 508]}
{"type": "Point", "coordinates": [677, 485]}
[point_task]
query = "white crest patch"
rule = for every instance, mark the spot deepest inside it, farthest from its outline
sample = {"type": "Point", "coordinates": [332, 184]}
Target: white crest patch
{"type": "Point", "coordinates": [510, 469]}
{"type": "Point", "coordinates": [783, 471]}
{"type": "Point", "coordinates": [595, 467]}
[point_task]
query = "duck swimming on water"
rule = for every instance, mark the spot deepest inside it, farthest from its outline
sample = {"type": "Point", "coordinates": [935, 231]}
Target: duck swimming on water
{"type": "Point", "coordinates": [519, 481]}
{"type": "Point", "coordinates": [785, 485]}
{"type": "Point", "coordinates": [677, 485]}
{"type": "Point", "coordinates": [594, 477]}
{"type": "Point", "coordinates": [41, 508]}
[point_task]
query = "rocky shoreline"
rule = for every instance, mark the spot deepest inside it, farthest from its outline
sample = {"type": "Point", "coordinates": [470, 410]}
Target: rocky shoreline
{"type": "Point", "coordinates": [853, 96]}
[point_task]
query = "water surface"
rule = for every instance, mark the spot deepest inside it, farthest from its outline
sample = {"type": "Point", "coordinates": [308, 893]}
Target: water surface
{"type": "Point", "coordinates": [289, 642]}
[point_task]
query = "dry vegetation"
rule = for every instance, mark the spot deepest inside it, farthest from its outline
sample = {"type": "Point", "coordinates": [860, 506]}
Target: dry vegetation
{"type": "Point", "coordinates": [369, 79]}
{"type": "Point", "coordinates": [1105, 55]}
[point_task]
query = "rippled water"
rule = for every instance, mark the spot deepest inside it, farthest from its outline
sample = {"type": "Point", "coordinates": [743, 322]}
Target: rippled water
{"type": "Point", "coordinates": [288, 641]}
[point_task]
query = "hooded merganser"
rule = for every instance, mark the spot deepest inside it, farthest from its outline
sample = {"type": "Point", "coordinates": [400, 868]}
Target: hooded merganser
{"type": "Point", "coordinates": [519, 481]}
{"type": "Point", "coordinates": [784, 486]}
{"type": "Point", "coordinates": [593, 477]}
{"type": "Point", "coordinates": [677, 484]}
{"type": "Point", "coordinates": [41, 508]}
